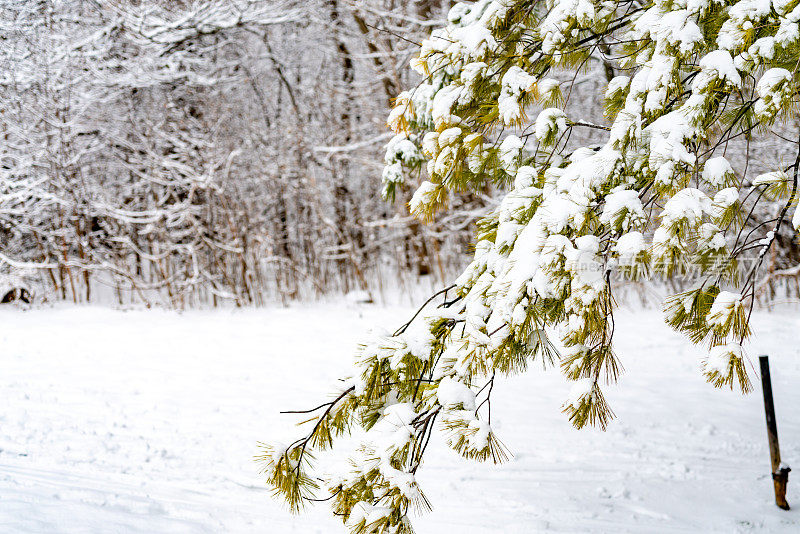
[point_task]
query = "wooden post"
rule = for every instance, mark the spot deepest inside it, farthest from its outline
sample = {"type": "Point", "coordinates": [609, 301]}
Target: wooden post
{"type": "Point", "coordinates": [780, 473]}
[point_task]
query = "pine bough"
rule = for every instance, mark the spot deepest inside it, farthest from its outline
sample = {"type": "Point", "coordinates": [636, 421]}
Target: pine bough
{"type": "Point", "coordinates": [657, 198]}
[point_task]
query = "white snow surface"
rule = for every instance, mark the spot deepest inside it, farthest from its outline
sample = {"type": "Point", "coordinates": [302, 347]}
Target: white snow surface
{"type": "Point", "coordinates": [147, 421]}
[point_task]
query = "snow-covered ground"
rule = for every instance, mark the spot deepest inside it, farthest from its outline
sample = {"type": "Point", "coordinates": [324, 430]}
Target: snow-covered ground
{"type": "Point", "coordinates": [147, 421]}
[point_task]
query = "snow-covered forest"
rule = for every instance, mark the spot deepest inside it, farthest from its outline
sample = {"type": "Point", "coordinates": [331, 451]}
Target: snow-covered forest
{"type": "Point", "coordinates": [203, 153]}
{"type": "Point", "coordinates": [215, 214]}
{"type": "Point", "coordinates": [207, 153]}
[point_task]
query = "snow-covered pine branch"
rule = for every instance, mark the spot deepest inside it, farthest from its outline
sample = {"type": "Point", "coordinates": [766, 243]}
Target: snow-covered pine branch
{"type": "Point", "coordinates": [662, 190]}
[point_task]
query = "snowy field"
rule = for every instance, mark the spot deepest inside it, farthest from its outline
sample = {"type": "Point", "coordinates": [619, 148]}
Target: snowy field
{"type": "Point", "coordinates": [147, 421]}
